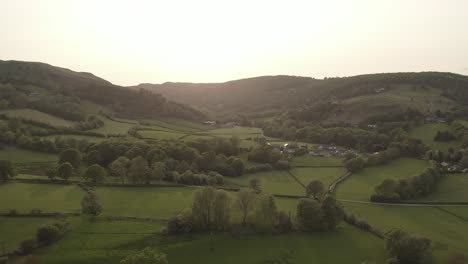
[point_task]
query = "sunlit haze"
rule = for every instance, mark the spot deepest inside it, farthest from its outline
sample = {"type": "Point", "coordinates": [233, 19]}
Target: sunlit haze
{"type": "Point", "coordinates": [130, 42]}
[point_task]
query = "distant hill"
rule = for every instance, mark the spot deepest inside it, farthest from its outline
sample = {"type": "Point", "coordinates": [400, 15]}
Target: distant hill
{"type": "Point", "coordinates": [62, 92]}
{"type": "Point", "coordinates": [347, 99]}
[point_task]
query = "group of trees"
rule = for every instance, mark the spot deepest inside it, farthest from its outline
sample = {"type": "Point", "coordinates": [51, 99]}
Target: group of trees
{"type": "Point", "coordinates": [356, 138]}
{"type": "Point", "coordinates": [251, 208]}
{"type": "Point", "coordinates": [214, 209]}
{"type": "Point", "coordinates": [45, 236]}
{"type": "Point", "coordinates": [391, 190]}
{"type": "Point", "coordinates": [405, 248]}
{"type": "Point", "coordinates": [451, 156]}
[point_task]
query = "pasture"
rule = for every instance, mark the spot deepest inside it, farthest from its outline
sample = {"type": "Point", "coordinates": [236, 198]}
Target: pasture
{"type": "Point", "coordinates": [108, 242]}
{"type": "Point", "coordinates": [307, 160]}
{"type": "Point", "coordinates": [77, 137]}
{"type": "Point", "coordinates": [113, 127]}
{"type": "Point", "coordinates": [24, 197]}
{"type": "Point", "coordinates": [274, 182]}
{"type": "Point", "coordinates": [427, 132]}
{"type": "Point", "coordinates": [160, 202]}
{"type": "Point", "coordinates": [13, 230]}
{"type": "Point", "coordinates": [325, 175]}
{"type": "Point", "coordinates": [452, 188]}
{"type": "Point", "coordinates": [176, 125]}
{"type": "Point", "coordinates": [448, 233]}
{"type": "Point", "coordinates": [34, 115]}
{"type": "Point", "coordinates": [18, 155]}
{"type": "Point", "coordinates": [158, 134]}
{"type": "Point", "coordinates": [360, 185]}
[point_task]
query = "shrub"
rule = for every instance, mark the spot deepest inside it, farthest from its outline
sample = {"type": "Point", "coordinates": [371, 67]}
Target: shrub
{"type": "Point", "coordinates": [47, 235]}
{"type": "Point", "coordinates": [27, 246]}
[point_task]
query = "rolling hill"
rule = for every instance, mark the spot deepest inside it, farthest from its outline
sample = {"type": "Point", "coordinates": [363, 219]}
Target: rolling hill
{"type": "Point", "coordinates": [67, 94]}
{"type": "Point", "coordinates": [347, 99]}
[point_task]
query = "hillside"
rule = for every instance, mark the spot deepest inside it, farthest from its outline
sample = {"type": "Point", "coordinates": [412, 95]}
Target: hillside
{"type": "Point", "coordinates": [333, 99]}
{"type": "Point", "coordinates": [66, 93]}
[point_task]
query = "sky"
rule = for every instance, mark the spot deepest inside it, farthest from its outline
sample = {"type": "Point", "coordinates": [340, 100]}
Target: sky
{"type": "Point", "coordinates": [149, 41]}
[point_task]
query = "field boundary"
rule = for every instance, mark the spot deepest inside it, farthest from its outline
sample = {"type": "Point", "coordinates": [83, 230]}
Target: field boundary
{"type": "Point", "coordinates": [410, 204]}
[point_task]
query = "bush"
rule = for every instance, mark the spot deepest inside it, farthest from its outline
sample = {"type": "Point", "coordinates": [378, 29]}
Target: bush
{"type": "Point", "coordinates": [47, 235]}
{"type": "Point", "coordinates": [27, 246]}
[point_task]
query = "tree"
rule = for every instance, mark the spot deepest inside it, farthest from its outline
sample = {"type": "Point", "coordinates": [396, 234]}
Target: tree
{"type": "Point", "coordinates": [244, 201]}
{"type": "Point", "coordinates": [139, 170]}
{"type": "Point", "coordinates": [93, 157]}
{"type": "Point", "coordinates": [65, 170]}
{"type": "Point", "coordinates": [268, 210]}
{"type": "Point", "coordinates": [27, 246]}
{"type": "Point", "coordinates": [90, 204]}
{"type": "Point", "coordinates": [146, 256]}
{"type": "Point", "coordinates": [48, 234]}
{"type": "Point", "coordinates": [464, 160]}
{"type": "Point", "coordinates": [202, 209]}
{"type": "Point", "coordinates": [309, 214]}
{"type": "Point", "coordinates": [119, 168]}
{"type": "Point", "coordinates": [284, 221]}
{"type": "Point", "coordinates": [238, 167]}
{"type": "Point", "coordinates": [354, 165]}
{"type": "Point", "coordinates": [221, 209]}
{"type": "Point", "coordinates": [73, 156]}
{"type": "Point", "coordinates": [315, 188]}
{"type": "Point", "coordinates": [158, 171]}
{"type": "Point", "coordinates": [95, 173]}
{"type": "Point", "coordinates": [408, 248]}
{"type": "Point", "coordinates": [7, 170]}
{"type": "Point", "coordinates": [332, 212]}
{"type": "Point", "coordinates": [254, 184]}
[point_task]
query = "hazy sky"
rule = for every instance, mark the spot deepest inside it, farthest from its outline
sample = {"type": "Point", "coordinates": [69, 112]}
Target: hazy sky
{"type": "Point", "coordinates": [129, 42]}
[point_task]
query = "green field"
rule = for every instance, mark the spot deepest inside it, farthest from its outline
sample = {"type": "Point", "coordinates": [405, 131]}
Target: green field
{"type": "Point", "coordinates": [360, 185]}
{"type": "Point", "coordinates": [77, 137]}
{"type": "Point", "coordinates": [113, 127]}
{"type": "Point", "coordinates": [176, 125]}
{"type": "Point", "coordinates": [325, 175]}
{"type": "Point", "coordinates": [445, 230]}
{"type": "Point", "coordinates": [156, 134]}
{"type": "Point", "coordinates": [307, 160]}
{"type": "Point", "coordinates": [46, 197]}
{"type": "Point", "coordinates": [274, 182]}
{"type": "Point", "coordinates": [452, 188]}
{"type": "Point", "coordinates": [17, 155]}
{"type": "Point", "coordinates": [13, 230]}
{"type": "Point", "coordinates": [30, 114]}
{"type": "Point", "coordinates": [427, 132]}
{"type": "Point", "coordinates": [108, 242]}
{"type": "Point", "coordinates": [162, 202]}
{"type": "Point", "coordinates": [241, 132]}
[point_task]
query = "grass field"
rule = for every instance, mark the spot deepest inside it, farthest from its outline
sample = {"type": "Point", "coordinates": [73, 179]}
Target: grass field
{"type": "Point", "coordinates": [453, 188]}
{"type": "Point", "coordinates": [177, 125]}
{"type": "Point", "coordinates": [17, 155]}
{"type": "Point", "coordinates": [427, 132]}
{"type": "Point", "coordinates": [360, 185]}
{"type": "Point", "coordinates": [241, 132]}
{"type": "Point", "coordinates": [155, 134]}
{"type": "Point", "coordinates": [448, 233]}
{"type": "Point", "coordinates": [109, 242]}
{"type": "Point", "coordinates": [325, 175]}
{"type": "Point", "coordinates": [274, 182]}
{"type": "Point", "coordinates": [46, 197]}
{"type": "Point", "coordinates": [30, 114]}
{"type": "Point", "coordinates": [113, 127]}
{"type": "Point", "coordinates": [307, 160]}
{"type": "Point", "coordinates": [13, 230]}
{"type": "Point", "coordinates": [77, 137]}
{"type": "Point", "coordinates": [161, 202]}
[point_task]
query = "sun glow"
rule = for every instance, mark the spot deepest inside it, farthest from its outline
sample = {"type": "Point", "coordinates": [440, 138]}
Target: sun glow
{"type": "Point", "coordinates": [129, 42]}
